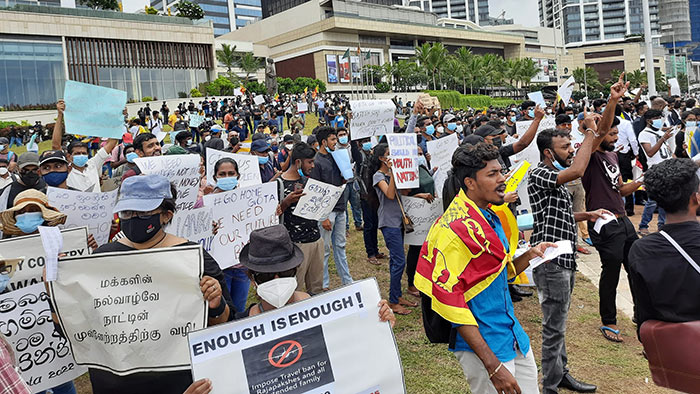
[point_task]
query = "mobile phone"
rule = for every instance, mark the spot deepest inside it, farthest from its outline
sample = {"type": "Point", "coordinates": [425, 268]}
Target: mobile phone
{"type": "Point", "coordinates": [298, 186]}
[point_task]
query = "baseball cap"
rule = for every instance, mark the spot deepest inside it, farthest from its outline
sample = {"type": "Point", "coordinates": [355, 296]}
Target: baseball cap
{"type": "Point", "coordinates": [142, 193]}
{"type": "Point", "coordinates": [28, 159]}
{"type": "Point", "coordinates": [448, 118]}
{"type": "Point", "coordinates": [259, 146]}
{"type": "Point", "coordinates": [4, 141]}
{"type": "Point", "coordinates": [52, 155]}
{"type": "Point", "coordinates": [128, 138]}
{"type": "Point", "coordinates": [288, 138]}
{"type": "Point", "coordinates": [486, 130]}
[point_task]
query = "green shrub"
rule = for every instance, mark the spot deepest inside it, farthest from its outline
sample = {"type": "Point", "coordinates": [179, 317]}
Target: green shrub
{"type": "Point", "coordinates": [195, 93]}
{"type": "Point", "coordinates": [147, 98]}
{"type": "Point", "coordinates": [382, 87]}
{"type": "Point", "coordinates": [181, 95]}
{"type": "Point", "coordinates": [451, 98]}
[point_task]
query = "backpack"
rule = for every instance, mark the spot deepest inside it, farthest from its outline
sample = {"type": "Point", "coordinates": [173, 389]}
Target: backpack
{"type": "Point", "coordinates": [367, 191]}
{"type": "Point", "coordinates": [437, 329]}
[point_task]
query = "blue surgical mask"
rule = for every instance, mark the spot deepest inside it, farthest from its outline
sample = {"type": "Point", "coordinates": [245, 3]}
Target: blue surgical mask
{"type": "Point", "coordinates": [430, 129]}
{"type": "Point", "coordinates": [227, 184]}
{"type": "Point", "coordinates": [80, 160]}
{"type": "Point", "coordinates": [29, 222]}
{"type": "Point", "coordinates": [691, 124]}
{"type": "Point", "coordinates": [301, 173]}
{"type": "Point", "coordinates": [571, 117]}
{"type": "Point", "coordinates": [343, 140]}
{"type": "Point", "coordinates": [55, 178]}
{"type": "Point", "coordinates": [558, 166]}
{"type": "Point", "coordinates": [262, 160]}
{"type": "Point", "coordinates": [422, 161]}
{"type": "Point", "coordinates": [367, 146]}
{"type": "Point", "coordinates": [452, 126]}
{"type": "Point", "coordinates": [513, 119]}
{"type": "Point", "coordinates": [131, 156]}
{"type": "Point", "coordinates": [4, 281]}
{"type": "Point", "coordinates": [657, 123]}
{"type": "Point", "coordinates": [531, 113]}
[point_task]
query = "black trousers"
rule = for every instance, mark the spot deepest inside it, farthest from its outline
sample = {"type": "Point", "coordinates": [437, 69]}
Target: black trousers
{"type": "Point", "coordinates": [613, 244]}
{"type": "Point", "coordinates": [412, 262]}
{"type": "Point", "coordinates": [625, 160]}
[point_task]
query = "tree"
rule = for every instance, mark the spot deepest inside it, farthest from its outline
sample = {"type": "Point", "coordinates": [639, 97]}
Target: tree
{"type": "Point", "coordinates": [661, 83]}
{"type": "Point", "coordinates": [249, 64]}
{"type": "Point", "coordinates": [422, 55]}
{"type": "Point", "coordinates": [682, 80]}
{"type": "Point", "coordinates": [636, 78]}
{"type": "Point", "coordinates": [109, 5]}
{"type": "Point", "coordinates": [464, 56]}
{"type": "Point", "coordinates": [151, 11]}
{"type": "Point", "coordinates": [227, 56]}
{"type": "Point", "coordinates": [188, 9]}
{"type": "Point", "coordinates": [527, 69]}
{"type": "Point", "coordinates": [589, 76]}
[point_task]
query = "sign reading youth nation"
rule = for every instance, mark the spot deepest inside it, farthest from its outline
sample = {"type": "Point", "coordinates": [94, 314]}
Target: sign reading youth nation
{"type": "Point", "coordinates": [318, 200]}
{"type": "Point", "coordinates": [129, 312]}
{"type": "Point", "coordinates": [371, 117]}
{"type": "Point", "coordinates": [29, 271]}
{"type": "Point", "coordinates": [238, 213]}
{"type": "Point", "coordinates": [248, 167]}
{"type": "Point", "coordinates": [181, 170]}
{"type": "Point", "coordinates": [94, 110]}
{"type": "Point", "coordinates": [93, 210]}
{"type": "Point", "coordinates": [43, 357]}
{"type": "Point", "coordinates": [305, 347]}
{"type": "Point", "coordinates": [403, 152]}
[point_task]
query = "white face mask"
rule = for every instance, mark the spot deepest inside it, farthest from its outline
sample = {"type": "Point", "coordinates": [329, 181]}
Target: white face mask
{"type": "Point", "coordinates": [3, 171]}
{"type": "Point", "coordinates": [277, 291]}
{"type": "Point", "coordinates": [289, 146]}
{"type": "Point", "coordinates": [440, 129]}
{"type": "Point", "coordinates": [207, 138]}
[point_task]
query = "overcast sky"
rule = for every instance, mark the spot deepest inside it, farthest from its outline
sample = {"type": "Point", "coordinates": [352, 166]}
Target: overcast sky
{"type": "Point", "coordinates": [523, 12]}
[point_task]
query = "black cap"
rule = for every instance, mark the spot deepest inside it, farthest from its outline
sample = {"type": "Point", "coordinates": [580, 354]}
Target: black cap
{"type": "Point", "coordinates": [486, 130]}
{"type": "Point", "coordinates": [52, 155]}
{"type": "Point", "coordinates": [288, 138]}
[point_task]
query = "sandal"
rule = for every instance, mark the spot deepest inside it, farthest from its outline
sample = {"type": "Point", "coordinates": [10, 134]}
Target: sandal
{"type": "Point", "coordinates": [373, 261]}
{"type": "Point", "coordinates": [399, 310]}
{"type": "Point", "coordinates": [380, 256]}
{"type": "Point", "coordinates": [413, 291]}
{"type": "Point", "coordinates": [605, 330]}
{"type": "Point", "coordinates": [405, 302]}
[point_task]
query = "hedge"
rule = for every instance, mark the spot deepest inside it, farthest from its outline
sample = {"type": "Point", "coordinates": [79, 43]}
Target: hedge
{"type": "Point", "coordinates": [451, 98]}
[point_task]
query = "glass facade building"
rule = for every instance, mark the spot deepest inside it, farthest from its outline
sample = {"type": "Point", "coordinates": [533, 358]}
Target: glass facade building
{"type": "Point", "coordinates": [30, 72]}
{"type": "Point", "coordinates": [226, 15]}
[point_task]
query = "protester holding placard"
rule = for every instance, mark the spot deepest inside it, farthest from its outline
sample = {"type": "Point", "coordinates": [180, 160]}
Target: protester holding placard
{"type": "Point", "coordinates": [352, 189]}
{"type": "Point", "coordinates": [145, 145]}
{"type": "Point", "coordinates": [260, 148]}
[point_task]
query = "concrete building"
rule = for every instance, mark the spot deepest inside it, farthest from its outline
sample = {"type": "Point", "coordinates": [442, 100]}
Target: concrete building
{"type": "Point", "coordinates": [144, 55]}
{"type": "Point", "coordinates": [273, 7]}
{"type": "Point", "coordinates": [680, 35]}
{"type": "Point", "coordinates": [476, 11]}
{"type": "Point", "coordinates": [226, 15]}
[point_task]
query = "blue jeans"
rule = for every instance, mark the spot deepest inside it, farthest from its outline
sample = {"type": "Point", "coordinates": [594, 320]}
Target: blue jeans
{"type": "Point", "coordinates": [335, 239]}
{"type": "Point", "coordinates": [280, 123]}
{"type": "Point", "coordinates": [238, 284]}
{"type": "Point", "coordinates": [195, 135]}
{"type": "Point", "coordinates": [354, 206]}
{"type": "Point", "coordinates": [15, 140]}
{"type": "Point", "coordinates": [65, 388]}
{"type": "Point", "coordinates": [648, 214]}
{"type": "Point", "coordinates": [255, 125]}
{"type": "Point", "coordinates": [393, 237]}
{"type": "Point", "coordinates": [370, 228]}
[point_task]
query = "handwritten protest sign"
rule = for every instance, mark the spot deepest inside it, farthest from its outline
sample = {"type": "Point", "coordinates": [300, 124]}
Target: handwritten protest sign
{"type": "Point", "coordinates": [258, 100]}
{"type": "Point", "coordinates": [43, 357]}
{"type": "Point", "coordinates": [403, 150]}
{"type": "Point", "coordinates": [441, 151]}
{"type": "Point", "coordinates": [195, 225]}
{"type": "Point", "coordinates": [94, 110]}
{"type": "Point", "coordinates": [238, 213]}
{"type": "Point", "coordinates": [93, 210]}
{"type": "Point", "coordinates": [196, 120]}
{"type": "Point", "coordinates": [181, 170]}
{"type": "Point", "coordinates": [371, 117]}
{"type": "Point", "coordinates": [248, 167]}
{"type": "Point", "coordinates": [128, 312]}
{"type": "Point", "coordinates": [423, 215]}
{"type": "Point", "coordinates": [531, 153]}
{"type": "Point", "coordinates": [302, 107]}
{"type": "Point", "coordinates": [303, 348]}
{"type": "Point", "coordinates": [318, 200]}
{"type": "Point", "coordinates": [29, 246]}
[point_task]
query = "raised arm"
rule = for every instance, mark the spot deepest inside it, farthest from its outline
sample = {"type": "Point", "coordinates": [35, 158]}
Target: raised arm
{"type": "Point", "coordinates": [531, 132]}
{"type": "Point", "coordinates": [57, 136]}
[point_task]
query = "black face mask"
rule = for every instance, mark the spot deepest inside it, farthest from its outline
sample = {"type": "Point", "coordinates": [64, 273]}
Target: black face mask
{"type": "Point", "coordinates": [29, 178]}
{"type": "Point", "coordinates": [139, 230]}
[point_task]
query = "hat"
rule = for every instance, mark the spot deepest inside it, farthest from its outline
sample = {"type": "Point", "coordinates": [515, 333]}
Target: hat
{"type": "Point", "coordinates": [216, 129]}
{"type": "Point", "coordinates": [288, 138]}
{"type": "Point", "coordinates": [28, 159]}
{"type": "Point", "coordinates": [4, 141]}
{"type": "Point", "coordinates": [51, 215]}
{"type": "Point", "coordinates": [472, 139]}
{"type": "Point", "coordinates": [12, 262]}
{"type": "Point", "coordinates": [448, 118]}
{"type": "Point", "coordinates": [259, 146]}
{"type": "Point", "coordinates": [128, 138]}
{"type": "Point", "coordinates": [321, 121]}
{"type": "Point", "coordinates": [271, 250]}
{"type": "Point", "coordinates": [142, 193]}
{"type": "Point", "coordinates": [486, 130]}
{"type": "Point", "coordinates": [52, 155]}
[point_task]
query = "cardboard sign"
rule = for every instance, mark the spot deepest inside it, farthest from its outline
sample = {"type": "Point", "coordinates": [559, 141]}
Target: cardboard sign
{"type": "Point", "coordinates": [94, 110]}
{"type": "Point", "coordinates": [403, 151]}
{"type": "Point", "coordinates": [129, 312]}
{"type": "Point", "coordinates": [318, 200]}
{"type": "Point", "coordinates": [194, 225]}
{"type": "Point", "coordinates": [180, 170]}
{"type": "Point", "coordinates": [302, 107]}
{"type": "Point", "coordinates": [423, 214]}
{"type": "Point", "coordinates": [248, 167]}
{"type": "Point", "coordinates": [441, 151]}
{"type": "Point", "coordinates": [238, 213]}
{"type": "Point", "coordinates": [307, 347]}
{"type": "Point", "coordinates": [371, 117]}
{"type": "Point", "coordinates": [94, 210]}
{"type": "Point", "coordinates": [196, 120]}
{"type": "Point", "coordinates": [259, 100]}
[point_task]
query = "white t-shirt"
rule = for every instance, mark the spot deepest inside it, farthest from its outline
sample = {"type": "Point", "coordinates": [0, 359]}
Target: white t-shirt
{"type": "Point", "coordinates": [88, 180]}
{"type": "Point", "coordinates": [651, 137]}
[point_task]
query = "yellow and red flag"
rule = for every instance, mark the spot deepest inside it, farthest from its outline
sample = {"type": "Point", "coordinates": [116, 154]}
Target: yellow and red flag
{"type": "Point", "coordinates": [306, 90]}
{"type": "Point", "coordinates": [243, 89]}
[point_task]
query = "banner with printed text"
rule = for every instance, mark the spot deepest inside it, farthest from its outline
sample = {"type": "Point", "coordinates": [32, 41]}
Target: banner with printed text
{"type": "Point", "coordinates": [306, 347]}
{"type": "Point", "coordinates": [181, 170]}
{"type": "Point", "coordinates": [403, 151]}
{"type": "Point", "coordinates": [371, 118]}
{"type": "Point", "coordinates": [423, 214]}
{"type": "Point", "coordinates": [248, 167]}
{"type": "Point", "coordinates": [94, 210]}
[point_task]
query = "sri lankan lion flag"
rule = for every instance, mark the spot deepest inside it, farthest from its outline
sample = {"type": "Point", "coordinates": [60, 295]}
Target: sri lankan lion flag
{"type": "Point", "coordinates": [461, 256]}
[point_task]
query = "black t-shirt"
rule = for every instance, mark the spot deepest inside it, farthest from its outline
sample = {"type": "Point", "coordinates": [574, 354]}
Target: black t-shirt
{"type": "Point", "coordinates": [506, 151]}
{"type": "Point", "coordinates": [257, 114]}
{"type": "Point", "coordinates": [680, 140]}
{"type": "Point", "coordinates": [176, 382]}
{"type": "Point", "coordinates": [300, 230]}
{"type": "Point", "coordinates": [600, 181]}
{"type": "Point", "coordinates": [664, 285]}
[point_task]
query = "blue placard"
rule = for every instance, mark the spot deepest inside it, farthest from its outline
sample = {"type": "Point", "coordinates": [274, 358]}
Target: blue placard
{"type": "Point", "coordinates": [94, 110]}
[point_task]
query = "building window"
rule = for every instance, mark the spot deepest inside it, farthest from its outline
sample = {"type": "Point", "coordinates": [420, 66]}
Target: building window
{"type": "Point", "coordinates": [30, 73]}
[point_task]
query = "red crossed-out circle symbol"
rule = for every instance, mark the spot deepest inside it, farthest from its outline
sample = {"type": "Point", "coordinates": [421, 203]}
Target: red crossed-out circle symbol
{"type": "Point", "coordinates": [290, 353]}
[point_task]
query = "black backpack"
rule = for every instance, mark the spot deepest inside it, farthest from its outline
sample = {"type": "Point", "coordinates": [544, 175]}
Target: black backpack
{"type": "Point", "coordinates": [367, 191]}
{"type": "Point", "coordinates": [437, 329]}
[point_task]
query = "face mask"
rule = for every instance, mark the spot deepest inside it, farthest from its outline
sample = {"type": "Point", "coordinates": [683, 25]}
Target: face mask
{"type": "Point", "coordinates": [571, 117]}
{"type": "Point", "coordinates": [691, 124]}
{"type": "Point", "coordinates": [367, 146]}
{"type": "Point", "coordinates": [274, 148]}
{"type": "Point", "coordinates": [558, 166]}
{"type": "Point", "coordinates": [440, 129]}
{"type": "Point", "coordinates": [277, 291]}
{"type": "Point", "coordinates": [3, 171]}
{"type": "Point", "coordinates": [29, 178]}
{"type": "Point", "coordinates": [512, 119]}
{"type": "Point", "coordinates": [55, 178]}
{"type": "Point", "coordinates": [531, 113]}
{"type": "Point", "coordinates": [452, 126]}
{"type": "Point", "coordinates": [139, 230]}
{"type": "Point", "coordinates": [430, 129]}
{"type": "Point", "coordinates": [343, 140]}
{"type": "Point", "coordinates": [189, 142]}
{"type": "Point", "coordinates": [227, 184]}
{"type": "Point", "coordinates": [131, 156]}
{"type": "Point", "coordinates": [289, 146]}
{"type": "Point", "coordinates": [657, 123]}
{"type": "Point", "coordinates": [2, 148]}
{"type": "Point", "coordinates": [459, 128]}
{"type": "Point", "coordinates": [29, 222]}
{"type": "Point", "coordinates": [262, 160]}
{"type": "Point", "coordinates": [207, 138]}
{"type": "Point", "coordinates": [4, 281]}
{"type": "Point", "coordinates": [80, 160]}
{"type": "Point", "coordinates": [602, 109]}
{"type": "Point", "coordinates": [301, 173]}
{"type": "Point", "coordinates": [422, 161]}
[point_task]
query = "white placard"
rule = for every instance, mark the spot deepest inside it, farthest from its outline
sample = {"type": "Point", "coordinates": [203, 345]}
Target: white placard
{"type": "Point", "coordinates": [196, 120]}
{"type": "Point", "coordinates": [566, 90]}
{"type": "Point", "coordinates": [237, 92]}
{"type": "Point", "coordinates": [530, 154]}
{"type": "Point", "coordinates": [258, 99]}
{"type": "Point", "coordinates": [52, 241]}
{"type": "Point", "coordinates": [423, 214]}
{"type": "Point", "coordinates": [302, 107]}
{"type": "Point", "coordinates": [441, 151]}
{"type": "Point", "coordinates": [194, 225]}
{"type": "Point", "coordinates": [318, 200]}
{"type": "Point", "coordinates": [238, 213]}
{"type": "Point", "coordinates": [94, 210]}
{"type": "Point", "coordinates": [675, 87]}
{"type": "Point", "coordinates": [129, 312]}
{"type": "Point", "coordinates": [538, 98]}
{"type": "Point", "coordinates": [43, 357]}
{"type": "Point", "coordinates": [29, 271]}
{"type": "Point", "coordinates": [371, 117]}
{"type": "Point", "coordinates": [307, 347]}
{"type": "Point", "coordinates": [248, 167]}
{"type": "Point", "coordinates": [181, 170]}
{"type": "Point", "coordinates": [403, 151]}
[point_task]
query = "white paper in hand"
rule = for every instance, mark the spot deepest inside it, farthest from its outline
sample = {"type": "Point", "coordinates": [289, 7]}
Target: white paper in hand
{"type": "Point", "coordinates": [52, 240]}
{"type": "Point", "coordinates": [602, 221]}
{"type": "Point", "coordinates": [563, 247]}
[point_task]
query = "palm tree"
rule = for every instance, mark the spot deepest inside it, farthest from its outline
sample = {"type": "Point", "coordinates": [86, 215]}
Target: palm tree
{"type": "Point", "coordinates": [527, 70]}
{"type": "Point", "coordinates": [422, 54]}
{"type": "Point", "coordinates": [249, 64]}
{"type": "Point", "coordinates": [438, 52]}
{"type": "Point", "coordinates": [464, 56]}
{"type": "Point", "coordinates": [227, 56]}
{"type": "Point", "coordinates": [636, 78]}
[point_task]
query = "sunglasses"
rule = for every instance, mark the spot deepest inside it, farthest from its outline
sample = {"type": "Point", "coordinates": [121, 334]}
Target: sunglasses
{"type": "Point", "coordinates": [262, 277]}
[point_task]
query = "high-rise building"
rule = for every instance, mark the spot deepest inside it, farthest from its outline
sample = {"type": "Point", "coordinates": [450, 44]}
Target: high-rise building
{"type": "Point", "coordinates": [272, 7]}
{"type": "Point", "coordinates": [476, 11]}
{"type": "Point", "coordinates": [226, 15]}
{"type": "Point", "coordinates": [680, 28]}
{"type": "Point", "coordinates": [603, 21]}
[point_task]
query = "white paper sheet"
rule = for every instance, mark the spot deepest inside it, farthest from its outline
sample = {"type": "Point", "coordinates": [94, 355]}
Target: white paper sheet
{"type": "Point", "coordinates": [53, 243]}
{"type": "Point", "coordinates": [563, 247]}
{"type": "Point", "coordinates": [602, 221]}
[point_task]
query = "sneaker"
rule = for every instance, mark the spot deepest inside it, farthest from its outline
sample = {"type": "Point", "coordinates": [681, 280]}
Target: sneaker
{"type": "Point", "coordinates": [643, 232]}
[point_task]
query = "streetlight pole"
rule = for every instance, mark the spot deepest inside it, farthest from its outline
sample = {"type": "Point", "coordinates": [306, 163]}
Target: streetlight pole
{"type": "Point", "coordinates": [649, 53]}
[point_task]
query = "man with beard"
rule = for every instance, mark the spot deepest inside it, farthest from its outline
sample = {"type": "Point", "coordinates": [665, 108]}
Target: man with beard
{"type": "Point", "coordinates": [554, 220]}
{"type": "Point", "coordinates": [605, 189]}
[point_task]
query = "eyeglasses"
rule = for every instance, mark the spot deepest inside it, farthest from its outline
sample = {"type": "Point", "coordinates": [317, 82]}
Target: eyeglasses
{"type": "Point", "coordinates": [126, 215]}
{"type": "Point", "coordinates": [6, 269]}
{"type": "Point", "coordinates": [262, 277]}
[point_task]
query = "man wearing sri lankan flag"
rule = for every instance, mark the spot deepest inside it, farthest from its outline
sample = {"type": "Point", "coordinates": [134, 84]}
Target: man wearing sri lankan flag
{"type": "Point", "coordinates": [465, 265]}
